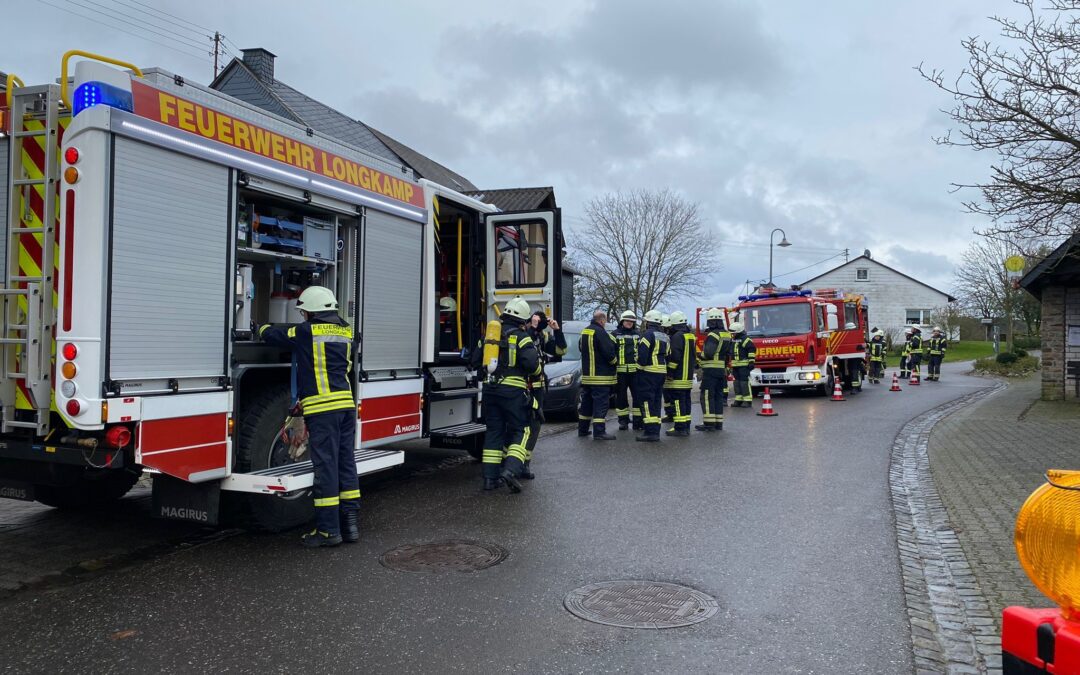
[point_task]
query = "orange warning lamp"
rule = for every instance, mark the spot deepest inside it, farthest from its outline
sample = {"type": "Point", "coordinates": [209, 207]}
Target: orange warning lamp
{"type": "Point", "coordinates": [1048, 540]}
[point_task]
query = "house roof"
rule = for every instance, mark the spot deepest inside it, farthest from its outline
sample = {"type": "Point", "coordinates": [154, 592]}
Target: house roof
{"type": "Point", "coordinates": [238, 79]}
{"type": "Point", "coordinates": [425, 167]}
{"type": "Point", "coordinates": [1061, 266]}
{"type": "Point", "coordinates": [517, 199]}
{"type": "Point", "coordinates": [877, 262]}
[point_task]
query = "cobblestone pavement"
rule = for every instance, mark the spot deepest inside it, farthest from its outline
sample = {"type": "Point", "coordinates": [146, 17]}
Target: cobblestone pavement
{"type": "Point", "coordinates": [985, 461]}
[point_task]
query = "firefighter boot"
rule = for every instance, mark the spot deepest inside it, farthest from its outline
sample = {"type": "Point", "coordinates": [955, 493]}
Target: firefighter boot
{"type": "Point", "coordinates": [526, 472]}
{"type": "Point", "coordinates": [647, 438]}
{"type": "Point", "coordinates": [491, 484]}
{"type": "Point", "coordinates": [677, 432]}
{"type": "Point", "coordinates": [599, 433]}
{"type": "Point", "coordinates": [706, 427]}
{"type": "Point", "coordinates": [350, 527]}
{"type": "Point", "coordinates": [319, 539]}
{"type": "Point", "coordinates": [511, 481]}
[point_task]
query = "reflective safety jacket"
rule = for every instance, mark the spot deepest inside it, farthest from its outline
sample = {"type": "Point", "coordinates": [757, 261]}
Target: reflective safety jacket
{"type": "Point", "coordinates": [682, 359]}
{"type": "Point", "coordinates": [937, 346]}
{"type": "Point", "coordinates": [743, 352]}
{"type": "Point", "coordinates": [551, 346]}
{"type": "Point", "coordinates": [877, 350]}
{"type": "Point", "coordinates": [599, 355]}
{"type": "Point", "coordinates": [627, 339]}
{"type": "Point", "coordinates": [716, 351]}
{"type": "Point", "coordinates": [652, 352]}
{"type": "Point", "coordinates": [518, 358]}
{"type": "Point", "coordinates": [322, 347]}
{"type": "Point", "coordinates": [915, 344]}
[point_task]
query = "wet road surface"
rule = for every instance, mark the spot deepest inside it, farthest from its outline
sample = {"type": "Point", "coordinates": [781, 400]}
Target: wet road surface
{"type": "Point", "coordinates": [786, 521]}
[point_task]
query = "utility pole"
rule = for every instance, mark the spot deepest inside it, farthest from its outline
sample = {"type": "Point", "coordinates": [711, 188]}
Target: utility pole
{"type": "Point", "coordinates": [846, 253]}
{"type": "Point", "coordinates": [217, 50]}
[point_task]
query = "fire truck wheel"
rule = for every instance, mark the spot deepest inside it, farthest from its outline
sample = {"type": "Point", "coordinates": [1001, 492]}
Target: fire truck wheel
{"type": "Point", "coordinates": [260, 422]}
{"type": "Point", "coordinates": [826, 388]}
{"type": "Point", "coordinates": [93, 489]}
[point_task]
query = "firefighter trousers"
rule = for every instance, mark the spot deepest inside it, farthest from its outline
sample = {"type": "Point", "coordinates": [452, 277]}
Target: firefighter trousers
{"type": "Point", "coordinates": [680, 404]}
{"type": "Point", "coordinates": [877, 370]}
{"type": "Point", "coordinates": [743, 392]}
{"type": "Point", "coordinates": [905, 373]}
{"type": "Point", "coordinates": [713, 383]}
{"type": "Point", "coordinates": [934, 368]}
{"type": "Point", "coordinates": [650, 387]}
{"type": "Point", "coordinates": [595, 400]}
{"type": "Point", "coordinates": [331, 442]}
{"type": "Point", "coordinates": [506, 414]}
{"type": "Point", "coordinates": [624, 393]}
{"type": "Point", "coordinates": [914, 363]}
{"type": "Point", "coordinates": [856, 372]}
{"type": "Point", "coordinates": [536, 418]}
{"type": "Point", "coordinates": [669, 401]}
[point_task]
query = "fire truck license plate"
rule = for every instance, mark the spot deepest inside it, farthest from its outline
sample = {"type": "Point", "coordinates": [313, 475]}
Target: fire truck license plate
{"type": "Point", "coordinates": [773, 378]}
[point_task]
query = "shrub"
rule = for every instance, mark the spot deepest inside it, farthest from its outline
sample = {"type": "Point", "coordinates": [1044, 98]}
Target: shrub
{"type": "Point", "coordinates": [1005, 358]}
{"type": "Point", "coordinates": [1020, 352]}
{"type": "Point", "coordinates": [1016, 367]}
{"type": "Point", "coordinates": [1028, 342]}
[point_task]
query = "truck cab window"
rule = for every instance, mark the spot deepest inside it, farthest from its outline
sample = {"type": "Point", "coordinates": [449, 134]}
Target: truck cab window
{"type": "Point", "coordinates": [851, 316]}
{"type": "Point", "coordinates": [522, 251]}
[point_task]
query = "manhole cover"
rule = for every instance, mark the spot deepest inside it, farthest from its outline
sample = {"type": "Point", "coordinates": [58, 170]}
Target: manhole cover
{"type": "Point", "coordinates": [640, 604]}
{"type": "Point", "coordinates": [455, 556]}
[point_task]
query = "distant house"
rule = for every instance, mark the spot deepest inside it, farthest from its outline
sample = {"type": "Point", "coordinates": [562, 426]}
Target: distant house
{"type": "Point", "coordinates": [1056, 283]}
{"type": "Point", "coordinates": [893, 299]}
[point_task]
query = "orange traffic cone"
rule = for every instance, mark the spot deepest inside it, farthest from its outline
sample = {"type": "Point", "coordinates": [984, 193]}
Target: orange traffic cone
{"type": "Point", "coordinates": [837, 392]}
{"type": "Point", "coordinates": [729, 387]}
{"type": "Point", "coordinates": [895, 383]}
{"type": "Point", "coordinates": [766, 405]}
{"type": "Point", "coordinates": [914, 381]}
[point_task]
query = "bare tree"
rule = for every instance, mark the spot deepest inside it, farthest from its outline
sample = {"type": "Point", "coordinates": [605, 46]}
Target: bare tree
{"type": "Point", "coordinates": [640, 249]}
{"type": "Point", "coordinates": [947, 317]}
{"type": "Point", "coordinates": [1022, 102]}
{"type": "Point", "coordinates": [984, 288]}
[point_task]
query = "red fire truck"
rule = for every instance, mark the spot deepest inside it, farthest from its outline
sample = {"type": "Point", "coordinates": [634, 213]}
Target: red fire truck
{"type": "Point", "coordinates": [152, 223]}
{"type": "Point", "coordinates": [805, 338]}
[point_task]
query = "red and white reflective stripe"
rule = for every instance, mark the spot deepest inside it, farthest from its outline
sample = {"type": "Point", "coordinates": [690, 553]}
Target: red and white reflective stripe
{"type": "Point", "coordinates": [69, 255]}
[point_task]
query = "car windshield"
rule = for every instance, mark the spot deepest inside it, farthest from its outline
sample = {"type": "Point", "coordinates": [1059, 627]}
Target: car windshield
{"type": "Point", "coordinates": [778, 320]}
{"type": "Point", "coordinates": [572, 353]}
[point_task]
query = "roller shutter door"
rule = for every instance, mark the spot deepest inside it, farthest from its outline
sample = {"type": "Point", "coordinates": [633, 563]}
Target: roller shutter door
{"type": "Point", "coordinates": [4, 188]}
{"type": "Point", "coordinates": [170, 251]}
{"type": "Point", "coordinates": [393, 263]}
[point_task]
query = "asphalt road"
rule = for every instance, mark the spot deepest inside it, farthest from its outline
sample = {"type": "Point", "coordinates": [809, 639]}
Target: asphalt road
{"type": "Point", "coordinates": [786, 521]}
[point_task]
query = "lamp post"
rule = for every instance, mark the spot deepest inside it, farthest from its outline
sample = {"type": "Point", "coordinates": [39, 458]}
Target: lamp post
{"type": "Point", "coordinates": [784, 243]}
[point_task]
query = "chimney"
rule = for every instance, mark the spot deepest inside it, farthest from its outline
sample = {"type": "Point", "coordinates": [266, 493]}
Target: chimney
{"type": "Point", "coordinates": [260, 62]}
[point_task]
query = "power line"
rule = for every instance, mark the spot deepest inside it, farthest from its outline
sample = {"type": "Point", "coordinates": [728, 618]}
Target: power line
{"type": "Point", "coordinates": [173, 16]}
{"type": "Point", "coordinates": [803, 269]}
{"type": "Point", "coordinates": [127, 3]}
{"type": "Point", "coordinates": [122, 30]}
{"type": "Point", "coordinates": [138, 23]}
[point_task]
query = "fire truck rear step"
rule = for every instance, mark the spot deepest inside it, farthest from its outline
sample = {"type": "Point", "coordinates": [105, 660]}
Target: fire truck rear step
{"type": "Point", "coordinates": [460, 430]}
{"type": "Point", "coordinates": [292, 477]}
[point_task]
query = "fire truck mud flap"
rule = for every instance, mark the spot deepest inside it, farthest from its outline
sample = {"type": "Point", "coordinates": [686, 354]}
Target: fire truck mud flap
{"type": "Point", "coordinates": [175, 499]}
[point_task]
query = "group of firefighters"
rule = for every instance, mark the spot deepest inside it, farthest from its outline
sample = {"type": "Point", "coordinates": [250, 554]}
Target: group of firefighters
{"type": "Point", "coordinates": [653, 365]}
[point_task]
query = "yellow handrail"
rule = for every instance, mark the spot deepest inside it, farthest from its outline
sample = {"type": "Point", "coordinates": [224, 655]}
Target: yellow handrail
{"type": "Point", "coordinates": [96, 57]}
{"type": "Point", "coordinates": [11, 81]}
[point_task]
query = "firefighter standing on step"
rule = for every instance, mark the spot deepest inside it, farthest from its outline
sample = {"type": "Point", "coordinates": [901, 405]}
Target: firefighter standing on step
{"type": "Point", "coordinates": [915, 352]}
{"type": "Point", "coordinates": [876, 353]}
{"type": "Point", "coordinates": [715, 354]}
{"type": "Point", "coordinates": [905, 355]}
{"type": "Point", "coordinates": [937, 344]}
{"type": "Point", "coordinates": [682, 361]}
{"type": "Point", "coordinates": [551, 347]}
{"type": "Point", "coordinates": [652, 352]}
{"type": "Point", "coordinates": [507, 401]}
{"type": "Point", "coordinates": [322, 352]}
{"type": "Point", "coordinates": [599, 354]}
{"type": "Point", "coordinates": [743, 353]}
{"type": "Point", "coordinates": [626, 335]}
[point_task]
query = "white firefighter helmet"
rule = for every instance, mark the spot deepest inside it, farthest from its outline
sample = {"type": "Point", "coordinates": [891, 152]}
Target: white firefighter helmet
{"type": "Point", "coordinates": [937, 329]}
{"type": "Point", "coordinates": [317, 299]}
{"type": "Point", "coordinates": [908, 331]}
{"type": "Point", "coordinates": [447, 304]}
{"type": "Point", "coordinates": [677, 318]}
{"type": "Point", "coordinates": [737, 327]}
{"type": "Point", "coordinates": [628, 316]}
{"type": "Point", "coordinates": [715, 314]}
{"type": "Point", "coordinates": [653, 316]}
{"type": "Point", "coordinates": [665, 321]}
{"type": "Point", "coordinates": [518, 308]}
{"type": "Point", "coordinates": [915, 328]}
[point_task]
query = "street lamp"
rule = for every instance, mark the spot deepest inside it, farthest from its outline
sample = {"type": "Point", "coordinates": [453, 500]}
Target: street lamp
{"type": "Point", "coordinates": [784, 243]}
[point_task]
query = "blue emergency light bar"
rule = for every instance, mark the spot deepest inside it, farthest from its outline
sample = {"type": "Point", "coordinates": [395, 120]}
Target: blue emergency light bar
{"type": "Point", "coordinates": [90, 94]}
{"type": "Point", "coordinates": [769, 296]}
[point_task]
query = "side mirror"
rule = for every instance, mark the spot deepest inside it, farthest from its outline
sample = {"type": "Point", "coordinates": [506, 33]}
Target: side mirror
{"type": "Point", "coordinates": [831, 322]}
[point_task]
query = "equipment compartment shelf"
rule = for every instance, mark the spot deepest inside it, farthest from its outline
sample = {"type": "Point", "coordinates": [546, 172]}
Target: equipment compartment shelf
{"type": "Point", "coordinates": [244, 253]}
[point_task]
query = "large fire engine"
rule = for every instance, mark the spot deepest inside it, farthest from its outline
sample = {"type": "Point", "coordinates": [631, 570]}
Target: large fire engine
{"type": "Point", "coordinates": [805, 338]}
{"type": "Point", "coordinates": [153, 223]}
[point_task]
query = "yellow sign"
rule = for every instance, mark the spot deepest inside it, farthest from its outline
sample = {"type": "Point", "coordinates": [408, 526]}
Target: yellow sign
{"type": "Point", "coordinates": [786, 350]}
{"type": "Point", "coordinates": [1014, 263]}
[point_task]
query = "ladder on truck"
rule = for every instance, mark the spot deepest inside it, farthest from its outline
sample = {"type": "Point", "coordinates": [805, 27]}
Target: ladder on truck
{"type": "Point", "coordinates": [26, 342]}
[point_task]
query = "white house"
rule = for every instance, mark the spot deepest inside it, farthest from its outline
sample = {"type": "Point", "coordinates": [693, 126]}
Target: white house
{"type": "Point", "coordinates": [893, 299]}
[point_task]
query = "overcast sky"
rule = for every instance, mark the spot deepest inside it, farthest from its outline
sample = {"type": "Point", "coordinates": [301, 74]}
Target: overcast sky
{"type": "Point", "coordinates": [805, 116]}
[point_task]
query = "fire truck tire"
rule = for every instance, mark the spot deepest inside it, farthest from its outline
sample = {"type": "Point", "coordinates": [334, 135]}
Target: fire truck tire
{"type": "Point", "coordinates": [260, 421]}
{"type": "Point", "coordinates": [826, 388]}
{"type": "Point", "coordinates": [93, 489]}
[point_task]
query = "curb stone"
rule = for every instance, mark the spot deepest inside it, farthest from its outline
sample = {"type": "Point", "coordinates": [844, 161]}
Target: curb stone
{"type": "Point", "coordinates": [952, 628]}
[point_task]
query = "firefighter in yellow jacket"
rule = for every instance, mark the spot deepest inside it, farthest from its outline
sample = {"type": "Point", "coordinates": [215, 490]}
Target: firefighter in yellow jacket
{"type": "Point", "coordinates": [715, 353]}
{"type": "Point", "coordinates": [682, 361]}
{"type": "Point", "coordinates": [743, 353]}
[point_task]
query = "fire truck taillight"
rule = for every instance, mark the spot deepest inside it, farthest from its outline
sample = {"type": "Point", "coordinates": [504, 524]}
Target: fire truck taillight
{"type": "Point", "coordinates": [68, 370]}
{"type": "Point", "coordinates": [70, 351]}
{"type": "Point", "coordinates": [71, 155]}
{"type": "Point", "coordinates": [71, 175]}
{"type": "Point", "coordinates": [73, 407]}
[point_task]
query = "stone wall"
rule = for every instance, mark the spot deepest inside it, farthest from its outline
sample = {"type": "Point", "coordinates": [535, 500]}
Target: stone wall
{"type": "Point", "coordinates": [1060, 308]}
